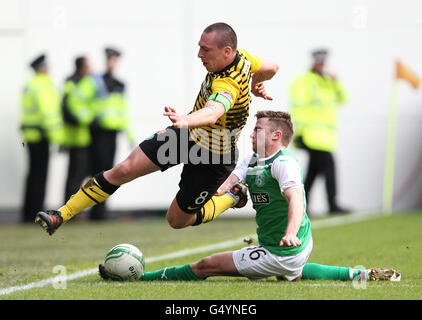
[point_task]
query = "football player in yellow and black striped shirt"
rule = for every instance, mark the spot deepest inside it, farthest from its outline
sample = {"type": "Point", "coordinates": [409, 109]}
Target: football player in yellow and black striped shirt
{"type": "Point", "coordinates": [229, 87]}
{"type": "Point", "coordinates": [203, 140]}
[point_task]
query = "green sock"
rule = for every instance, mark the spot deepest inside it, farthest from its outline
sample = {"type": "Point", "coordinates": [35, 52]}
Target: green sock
{"type": "Point", "coordinates": [314, 271]}
{"type": "Point", "coordinates": [171, 273]}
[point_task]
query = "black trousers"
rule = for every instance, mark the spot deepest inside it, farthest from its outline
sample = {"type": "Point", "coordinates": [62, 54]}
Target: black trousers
{"type": "Point", "coordinates": [322, 163]}
{"type": "Point", "coordinates": [101, 154]}
{"type": "Point", "coordinates": [78, 168]}
{"type": "Point", "coordinates": [36, 179]}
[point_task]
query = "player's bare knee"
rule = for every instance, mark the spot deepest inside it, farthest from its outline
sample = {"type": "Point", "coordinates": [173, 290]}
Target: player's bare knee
{"type": "Point", "coordinates": [174, 222]}
{"type": "Point", "coordinates": [177, 218]}
{"type": "Point", "coordinates": [125, 168]}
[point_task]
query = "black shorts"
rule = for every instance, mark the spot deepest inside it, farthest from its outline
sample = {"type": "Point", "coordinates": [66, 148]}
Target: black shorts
{"type": "Point", "coordinates": [203, 172]}
{"type": "Point", "coordinates": [199, 183]}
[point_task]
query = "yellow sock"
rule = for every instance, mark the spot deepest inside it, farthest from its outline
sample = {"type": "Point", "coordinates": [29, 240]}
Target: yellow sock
{"type": "Point", "coordinates": [87, 196]}
{"type": "Point", "coordinates": [216, 206]}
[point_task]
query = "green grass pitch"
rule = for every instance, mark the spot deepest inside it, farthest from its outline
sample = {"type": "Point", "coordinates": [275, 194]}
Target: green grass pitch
{"type": "Point", "coordinates": [29, 255]}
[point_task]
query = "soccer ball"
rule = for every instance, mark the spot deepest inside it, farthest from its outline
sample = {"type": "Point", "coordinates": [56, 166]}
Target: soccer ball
{"type": "Point", "coordinates": [124, 262]}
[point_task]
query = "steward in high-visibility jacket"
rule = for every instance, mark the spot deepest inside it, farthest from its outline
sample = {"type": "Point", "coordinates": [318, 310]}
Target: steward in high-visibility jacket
{"type": "Point", "coordinates": [41, 116]}
{"type": "Point", "coordinates": [99, 101]}
{"type": "Point", "coordinates": [314, 100]}
{"type": "Point", "coordinates": [41, 125]}
{"type": "Point", "coordinates": [78, 135]}
{"type": "Point", "coordinates": [101, 104]}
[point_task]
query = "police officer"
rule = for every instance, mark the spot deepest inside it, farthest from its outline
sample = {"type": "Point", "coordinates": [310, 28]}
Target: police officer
{"type": "Point", "coordinates": [41, 125]}
{"type": "Point", "coordinates": [314, 99]}
{"type": "Point", "coordinates": [99, 101]}
{"type": "Point", "coordinates": [78, 137]}
{"type": "Point", "coordinates": [111, 117]}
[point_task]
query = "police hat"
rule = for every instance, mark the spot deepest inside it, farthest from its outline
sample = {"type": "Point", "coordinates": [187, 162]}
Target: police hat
{"type": "Point", "coordinates": [38, 62]}
{"type": "Point", "coordinates": [110, 52]}
{"type": "Point", "coordinates": [319, 55]}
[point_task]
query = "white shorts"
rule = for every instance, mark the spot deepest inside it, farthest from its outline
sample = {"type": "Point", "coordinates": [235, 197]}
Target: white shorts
{"type": "Point", "coordinates": [256, 262]}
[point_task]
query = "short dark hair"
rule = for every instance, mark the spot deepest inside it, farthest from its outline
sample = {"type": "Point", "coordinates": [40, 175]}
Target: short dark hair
{"type": "Point", "coordinates": [225, 35]}
{"type": "Point", "coordinates": [79, 63]}
{"type": "Point", "coordinates": [280, 120]}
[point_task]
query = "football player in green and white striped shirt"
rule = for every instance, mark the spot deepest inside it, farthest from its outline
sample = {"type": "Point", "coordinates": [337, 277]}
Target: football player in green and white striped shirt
{"type": "Point", "coordinates": [275, 182]}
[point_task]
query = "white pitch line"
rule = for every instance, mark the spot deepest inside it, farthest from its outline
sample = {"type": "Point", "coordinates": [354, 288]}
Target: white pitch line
{"type": "Point", "coordinates": [84, 273]}
{"type": "Point", "coordinates": [49, 281]}
{"type": "Point", "coordinates": [330, 222]}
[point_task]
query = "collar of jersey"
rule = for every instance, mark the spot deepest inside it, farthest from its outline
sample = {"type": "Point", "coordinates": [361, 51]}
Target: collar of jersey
{"type": "Point", "coordinates": [266, 159]}
{"type": "Point", "coordinates": [269, 157]}
{"type": "Point", "coordinates": [235, 61]}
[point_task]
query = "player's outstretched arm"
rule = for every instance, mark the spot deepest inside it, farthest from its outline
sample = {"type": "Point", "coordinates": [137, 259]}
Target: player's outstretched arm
{"type": "Point", "coordinates": [202, 117]}
{"type": "Point", "coordinates": [266, 72]}
{"type": "Point", "coordinates": [294, 197]}
{"type": "Point", "coordinates": [231, 180]}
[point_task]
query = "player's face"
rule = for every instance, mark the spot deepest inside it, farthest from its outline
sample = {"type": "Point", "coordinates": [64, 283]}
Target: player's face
{"type": "Point", "coordinates": [261, 136]}
{"type": "Point", "coordinates": [212, 57]}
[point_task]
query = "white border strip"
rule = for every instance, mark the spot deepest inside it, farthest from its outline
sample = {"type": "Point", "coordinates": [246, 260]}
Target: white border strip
{"type": "Point", "coordinates": [330, 222]}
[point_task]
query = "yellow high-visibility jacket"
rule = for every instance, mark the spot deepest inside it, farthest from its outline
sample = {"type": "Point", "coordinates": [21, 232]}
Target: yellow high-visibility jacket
{"type": "Point", "coordinates": [314, 101]}
{"type": "Point", "coordinates": [41, 114]}
{"type": "Point", "coordinates": [77, 133]}
{"type": "Point", "coordinates": [93, 101]}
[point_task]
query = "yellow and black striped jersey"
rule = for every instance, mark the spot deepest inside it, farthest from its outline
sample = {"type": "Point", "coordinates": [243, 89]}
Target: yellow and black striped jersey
{"type": "Point", "coordinates": [233, 83]}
